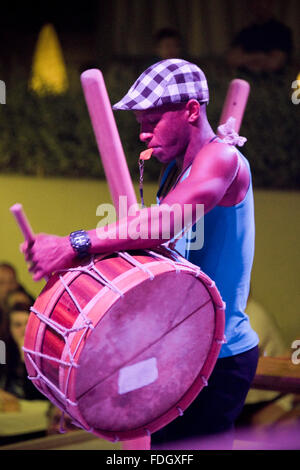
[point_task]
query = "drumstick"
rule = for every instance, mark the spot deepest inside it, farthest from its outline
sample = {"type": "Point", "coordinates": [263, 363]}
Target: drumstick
{"type": "Point", "coordinates": [107, 137]}
{"type": "Point", "coordinates": [22, 221]}
{"type": "Point", "coordinates": [235, 102]}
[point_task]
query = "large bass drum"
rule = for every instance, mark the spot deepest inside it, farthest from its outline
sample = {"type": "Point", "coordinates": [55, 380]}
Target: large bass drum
{"type": "Point", "coordinates": [124, 343]}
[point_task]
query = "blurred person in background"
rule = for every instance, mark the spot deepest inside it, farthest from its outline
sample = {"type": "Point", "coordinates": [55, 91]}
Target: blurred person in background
{"type": "Point", "coordinates": [8, 283]}
{"type": "Point", "coordinates": [264, 407]}
{"type": "Point", "coordinates": [168, 44]}
{"type": "Point", "coordinates": [13, 375]}
{"type": "Point", "coordinates": [265, 46]}
{"type": "Point", "coordinates": [18, 296]}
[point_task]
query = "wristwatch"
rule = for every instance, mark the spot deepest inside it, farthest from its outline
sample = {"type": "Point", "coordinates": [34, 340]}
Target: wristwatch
{"type": "Point", "coordinates": [80, 242]}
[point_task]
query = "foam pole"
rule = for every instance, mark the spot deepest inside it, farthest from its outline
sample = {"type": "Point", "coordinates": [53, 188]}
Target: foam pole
{"type": "Point", "coordinates": [235, 102]}
{"type": "Point", "coordinates": [107, 137]}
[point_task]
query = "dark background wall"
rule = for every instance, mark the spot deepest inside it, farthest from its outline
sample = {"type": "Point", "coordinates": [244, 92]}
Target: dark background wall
{"type": "Point", "coordinates": [97, 30]}
{"type": "Point", "coordinates": [53, 136]}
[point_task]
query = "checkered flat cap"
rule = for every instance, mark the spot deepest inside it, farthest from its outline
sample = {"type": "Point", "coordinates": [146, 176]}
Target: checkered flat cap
{"type": "Point", "coordinates": [167, 81]}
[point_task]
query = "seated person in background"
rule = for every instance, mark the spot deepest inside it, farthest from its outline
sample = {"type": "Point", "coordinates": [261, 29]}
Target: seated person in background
{"type": "Point", "coordinates": [264, 407]}
{"type": "Point", "coordinates": [271, 342]}
{"type": "Point", "coordinates": [265, 46]}
{"type": "Point", "coordinates": [13, 375]}
{"type": "Point", "coordinates": [18, 296]}
{"type": "Point", "coordinates": [168, 44]}
{"type": "Point", "coordinates": [8, 282]}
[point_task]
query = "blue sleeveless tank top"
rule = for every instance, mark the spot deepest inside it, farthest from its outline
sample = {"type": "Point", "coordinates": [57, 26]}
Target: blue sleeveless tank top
{"type": "Point", "coordinates": [226, 257]}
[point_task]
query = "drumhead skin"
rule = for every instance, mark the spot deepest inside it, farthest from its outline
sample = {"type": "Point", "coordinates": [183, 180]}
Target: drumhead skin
{"type": "Point", "coordinates": [127, 355]}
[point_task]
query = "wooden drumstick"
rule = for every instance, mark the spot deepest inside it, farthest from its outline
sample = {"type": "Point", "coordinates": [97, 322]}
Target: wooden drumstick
{"type": "Point", "coordinates": [107, 137]}
{"type": "Point", "coordinates": [235, 102]}
{"type": "Point", "coordinates": [22, 221]}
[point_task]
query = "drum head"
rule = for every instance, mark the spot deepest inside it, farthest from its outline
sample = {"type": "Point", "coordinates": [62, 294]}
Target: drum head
{"type": "Point", "coordinates": [144, 359]}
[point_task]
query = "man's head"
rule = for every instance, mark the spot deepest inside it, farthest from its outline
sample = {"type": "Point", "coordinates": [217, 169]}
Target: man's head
{"type": "Point", "coordinates": [168, 99]}
{"type": "Point", "coordinates": [168, 129]}
{"type": "Point", "coordinates": [168, 43]}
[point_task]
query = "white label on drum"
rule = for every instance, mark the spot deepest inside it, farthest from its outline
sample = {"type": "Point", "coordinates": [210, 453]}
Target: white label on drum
{"type": "Point", "coordinates": [138, 375]}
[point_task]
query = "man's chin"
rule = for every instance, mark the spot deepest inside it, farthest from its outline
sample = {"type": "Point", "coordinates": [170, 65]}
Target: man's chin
{"type": "Point", "coordinates": [161, 156]}
{"type": "Point", "coordinates": [157, 153]}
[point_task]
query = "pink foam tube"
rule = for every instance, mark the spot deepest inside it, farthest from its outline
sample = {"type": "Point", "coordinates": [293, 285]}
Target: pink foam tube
{"type": "Point", "coordinates": [107, 137]}
{"type": "Point", "coordinates": [22, 221]}
{"type": "Point", "coordinates": [235, 102]}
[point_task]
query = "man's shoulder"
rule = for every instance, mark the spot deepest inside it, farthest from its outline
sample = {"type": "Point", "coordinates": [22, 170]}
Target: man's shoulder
{"type": "Point", "coordinates": [221, 147]}
{"type": "Point", "coordinates": [225, 163]}
{"type": "Point", "coordinates": [218, 153]}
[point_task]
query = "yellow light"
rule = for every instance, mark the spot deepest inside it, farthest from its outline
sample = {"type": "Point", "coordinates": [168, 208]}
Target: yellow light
{"type": "Point", "coordinates": [49, 73]}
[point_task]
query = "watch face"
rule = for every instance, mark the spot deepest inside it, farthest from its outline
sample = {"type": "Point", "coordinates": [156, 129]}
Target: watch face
{"type": "Point", "coordinates": [80, 242]}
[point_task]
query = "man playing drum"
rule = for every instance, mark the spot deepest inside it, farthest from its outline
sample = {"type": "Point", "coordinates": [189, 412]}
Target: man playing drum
{"type": "Point", "coordinates": [169, 101]}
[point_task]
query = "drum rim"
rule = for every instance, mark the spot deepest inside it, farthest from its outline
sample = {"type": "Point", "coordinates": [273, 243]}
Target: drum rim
{"type": "Point", "coordinates": [37, 331]}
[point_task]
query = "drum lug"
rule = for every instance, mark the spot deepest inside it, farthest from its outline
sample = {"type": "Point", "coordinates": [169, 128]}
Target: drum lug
{"type": "Point", "coordinates": [204, 380]}
{"type": "Point", "coordinates": [221, 341]}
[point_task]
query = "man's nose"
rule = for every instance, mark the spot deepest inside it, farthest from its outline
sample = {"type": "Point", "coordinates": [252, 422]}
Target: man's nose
{"type": "Point", "coordinates": [146, 136]}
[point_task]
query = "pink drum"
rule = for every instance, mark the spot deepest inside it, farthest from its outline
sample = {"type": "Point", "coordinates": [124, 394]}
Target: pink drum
{"type": "Point", "coordinates": [124, 343]}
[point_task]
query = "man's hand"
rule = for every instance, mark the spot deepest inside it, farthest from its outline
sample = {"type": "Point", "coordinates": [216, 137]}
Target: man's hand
{"type": "Point", "coordinates": [48, 253]}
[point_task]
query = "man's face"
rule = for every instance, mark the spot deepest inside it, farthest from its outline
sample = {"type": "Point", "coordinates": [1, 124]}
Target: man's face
{"type": "Point", "coordinates": [166, 130]}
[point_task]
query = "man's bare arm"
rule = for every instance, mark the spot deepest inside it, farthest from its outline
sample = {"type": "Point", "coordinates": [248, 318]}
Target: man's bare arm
{"type": "Point", "coordinates": [211, 175]}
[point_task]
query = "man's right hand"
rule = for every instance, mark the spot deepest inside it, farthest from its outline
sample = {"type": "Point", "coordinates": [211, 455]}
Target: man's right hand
{"type": "Point", "coordinates": [47, 254]}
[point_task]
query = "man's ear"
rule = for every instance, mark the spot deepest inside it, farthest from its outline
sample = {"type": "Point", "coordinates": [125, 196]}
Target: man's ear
{"type": "Point", "coordinates": [193, 110]}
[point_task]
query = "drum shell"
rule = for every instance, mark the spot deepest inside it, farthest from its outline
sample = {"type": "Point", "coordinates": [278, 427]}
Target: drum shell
{"type": "Point", "coordinates": [40, 337]}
